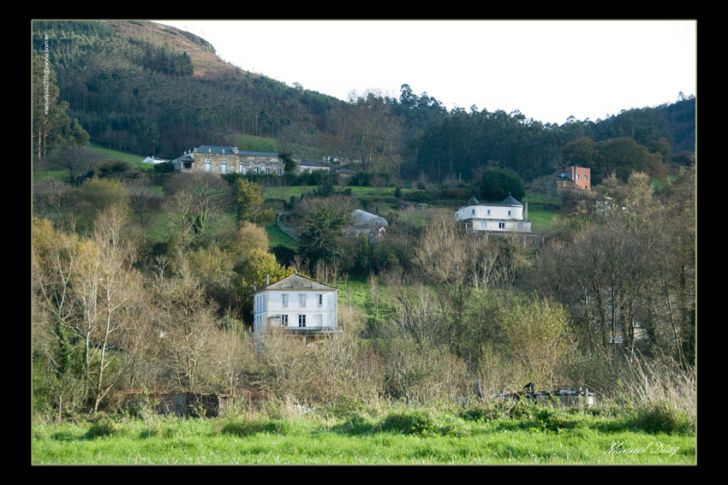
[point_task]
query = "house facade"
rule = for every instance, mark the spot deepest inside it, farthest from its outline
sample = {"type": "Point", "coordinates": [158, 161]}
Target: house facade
{"type": "Point", "coordinates": [508, 216]}
{"type": "Point", "coordinates": [573, 177]}
{"type": "Point", "coordinates": [226, 159]}
{"type": "Point", "coordinates": [297, 304]}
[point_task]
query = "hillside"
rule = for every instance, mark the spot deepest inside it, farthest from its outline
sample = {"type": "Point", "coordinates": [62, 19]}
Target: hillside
{"type": "Point", "coordinates": [142, 87]}
{"type": "Point", "coordinates": [147, 88]}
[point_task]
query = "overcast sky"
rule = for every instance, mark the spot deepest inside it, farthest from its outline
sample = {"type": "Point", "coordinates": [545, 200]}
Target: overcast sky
{"type": "Point", "coordinates": [548, 70]}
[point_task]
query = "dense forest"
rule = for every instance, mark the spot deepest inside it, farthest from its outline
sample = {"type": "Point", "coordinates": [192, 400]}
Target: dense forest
{"type": "Point", "coordinates": [146, 88]}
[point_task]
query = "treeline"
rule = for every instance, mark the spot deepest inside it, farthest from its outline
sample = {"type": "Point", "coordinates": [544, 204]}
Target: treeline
{"type": "Point", "coordinates": [136, 96]}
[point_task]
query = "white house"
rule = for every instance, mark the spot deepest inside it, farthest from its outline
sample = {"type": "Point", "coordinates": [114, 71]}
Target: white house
{"type": "Point", "coordinates": [508, 216]}
{"type": "Point", "coordinates": [154, 160]}
{"type": "Point", "coordinates": [298, 304]}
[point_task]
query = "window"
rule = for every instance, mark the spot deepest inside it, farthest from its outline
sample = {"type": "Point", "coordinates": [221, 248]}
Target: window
{"type": "Point", "coordinates": [187, 165]}
{"type": "Point", "coordinates": [472, 212]}
{"type": "Point", "coordinates": [577, 177]}
{"type": "Point", "coordinates": [208, 166]}
{"type": "Point", "coordinates": [302, 320]}
{"type": "Point", "coordinates": [302, 301]}
{"type": "Point", "coordinates": [280, 171]}
{"type": "Point", "coordinates": [509, 213]}
{"type": "Point", "coordinates": [223, 167]}
{"type": "Point", "coordinates": [256, 169]}
{"type": "Point", "coordinates": [501, 225]}
{"type": "Point", "coordinates": [284, 320]}
{"type": "Point", "coordinates": [488, 211]}
{"type": "Point", "coordinates": [240, 168]}
{"type": "Point", "coordinates": [284, 300]}
{"type": "Point", "coordinates": [320, 300]}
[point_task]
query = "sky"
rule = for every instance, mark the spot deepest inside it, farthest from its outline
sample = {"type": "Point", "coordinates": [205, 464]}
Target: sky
{"type": "Point", "coordinates": [548, 70]}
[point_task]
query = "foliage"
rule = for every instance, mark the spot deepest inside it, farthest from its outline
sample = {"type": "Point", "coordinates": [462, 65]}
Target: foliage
{"type": "Point", "coordinates": [320, 222]}
{"type": "Point", "coordinates": [497, 184]}
{"type": "Point", "coordinates": [247, 428]}
{"type": "Point", "coordinates": [103, 193]}
{"type": "Point", "coordinates": [249, 200]}
{"type": "Point", "coordinates": [539, 341]}
{"type": "Point", "coordinates": [289, 166]}
{"type": "Point", "coordinates": [164, 167]}
{"type": "Point", "coordinates": [52, 124]}
{"type": "Point", "coordinates": [417, 422]}
{"type": "Point", "coordinates": [102, 428]}
{"type": "Point", "coordinates": [660, 418]}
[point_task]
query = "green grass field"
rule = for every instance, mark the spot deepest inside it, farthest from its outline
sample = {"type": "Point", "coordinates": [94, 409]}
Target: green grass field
{"type": "Point", "coordinates": [257, 143]}
{"type": "Point", "coordinates": [577, 439]}
{"type": "Point", "coordinates": [276, 237]}
{"type": "Point", "coordinates": [354, 291]}
{"type": "Point", "coordinates": [131, 158]}
{"type": "Point", "coordinates": [542, 220]}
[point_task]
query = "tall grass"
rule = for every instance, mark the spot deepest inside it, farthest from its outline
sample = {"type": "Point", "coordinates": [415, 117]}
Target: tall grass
{"type": "Point", "coordinates": [659, 383]}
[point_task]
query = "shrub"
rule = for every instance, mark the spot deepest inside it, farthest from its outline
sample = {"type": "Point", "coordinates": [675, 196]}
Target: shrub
{"type": "Point", "coordinates": [660, 418]}
{"type": "Point", "coordinates": [355, 425]}
{"type": "Point", "coordinates": [164, 167]}
{"type": "Point", "coordinates": [416, 422]}
{"type": "Point", "coordinates": [104, 427]}
{"type": "Point", "coordinates": [246, 428]}
{"type": "Point", "coordinates": [498, 183]}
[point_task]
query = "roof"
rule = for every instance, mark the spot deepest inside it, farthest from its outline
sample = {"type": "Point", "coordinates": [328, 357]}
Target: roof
{"type": "Point", "coordinates": [507, 202]}
{"type": "Point", "coordinates": [364, 218]}
{"type": "Point", "coordinates": [511, 201]}
{"type": "Point", "coordinates": [185, 158]}
{"type": "Point", "coordinates": [298, 282]}
{"type": "Point", "coordinates": [221, 149]}
{"type": "Point", "coordinates": [309, 163]}
{"type": "Point", "coordinates": [257, 154]}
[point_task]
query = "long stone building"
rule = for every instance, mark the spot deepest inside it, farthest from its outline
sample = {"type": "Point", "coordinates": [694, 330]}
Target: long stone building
{"type": "Point", "coordinates": [226, 159]}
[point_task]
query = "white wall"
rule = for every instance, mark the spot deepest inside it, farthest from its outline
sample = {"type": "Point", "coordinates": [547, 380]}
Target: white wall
{"type": "Point", "coordinates": [269, 303]}
{"type": "Point", "coordinates": [482, 212]}
{"type": "Point", "coordinates": [509, 226]}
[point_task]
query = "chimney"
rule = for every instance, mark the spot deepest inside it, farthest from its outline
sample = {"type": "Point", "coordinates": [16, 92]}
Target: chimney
{"type": "Point", "coordinates": [525, 210]}
{"type": "Point", "coordinates": [267, 280]}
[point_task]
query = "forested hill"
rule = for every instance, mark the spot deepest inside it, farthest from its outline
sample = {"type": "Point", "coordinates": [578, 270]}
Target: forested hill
{"type": "Point", "coordinates": [148, 88]}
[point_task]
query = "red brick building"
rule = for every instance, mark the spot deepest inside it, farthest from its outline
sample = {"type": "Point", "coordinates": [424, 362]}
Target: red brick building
{"type": "Point", "coordinates": [575, 177]}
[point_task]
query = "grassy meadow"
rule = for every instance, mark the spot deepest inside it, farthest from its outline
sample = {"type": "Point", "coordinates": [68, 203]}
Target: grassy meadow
{"type": "Point", "coordinates": [403, 436]}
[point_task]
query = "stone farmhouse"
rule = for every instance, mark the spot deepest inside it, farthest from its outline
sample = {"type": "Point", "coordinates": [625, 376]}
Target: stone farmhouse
{"type": "Point", "coordinates": [226, 159]}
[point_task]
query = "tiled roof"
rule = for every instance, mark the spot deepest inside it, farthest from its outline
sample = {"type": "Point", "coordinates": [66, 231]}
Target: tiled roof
{"type": "Point", "coordinates": [511, 201]}
{"type": "Point", "coordinates": [220, 150]}
{"type": "Point", "coordinates": [298, 282]}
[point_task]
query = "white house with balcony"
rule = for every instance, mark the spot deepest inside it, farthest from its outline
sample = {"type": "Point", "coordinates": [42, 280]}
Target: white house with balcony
{"type": "Point", "coordinates": [297, 304]}
{"type": "Point", "coordinates": [507, 216]}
